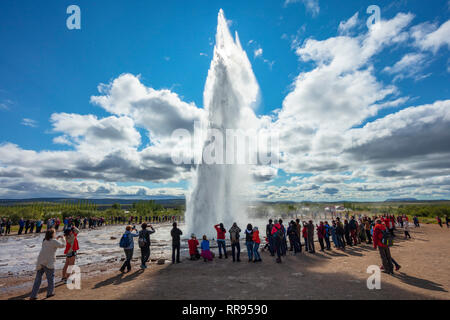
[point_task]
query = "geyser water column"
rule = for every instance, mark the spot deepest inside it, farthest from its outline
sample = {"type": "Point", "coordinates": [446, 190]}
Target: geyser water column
{"type": "Point", "coordinates": [219, 191]}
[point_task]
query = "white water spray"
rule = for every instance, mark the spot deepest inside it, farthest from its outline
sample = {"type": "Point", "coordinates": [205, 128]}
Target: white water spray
{"type": "Point", "coordinates": [219, 191]}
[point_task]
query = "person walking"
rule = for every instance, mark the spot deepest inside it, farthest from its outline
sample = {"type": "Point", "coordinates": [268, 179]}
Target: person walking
{"type": "Point", "coordinates": [235, 245]}
{"type": "Point", "coordinates": [406, 228]}
{"type": "Point", "coordinates": [127, 243]}
{"type": "Point", "coordinates": [221, 231]}
{"type": "Point", "coordinates": [46, 263]}
{"type": "Point", "coordinates": [144, 243]}
{"type": "Point", "coordinates": [310, 229]}
{"type": "Point", "coordinates": [249, 241]}
{"type": "Point", "coordinates": [176, 243]}
{"type": "Point", "coordinates": [416, 222]}
{"type": "Point", "coordinates": [256, 244]}
{"type": "Point", "coordinates": [383, 249]}
{"type": "Point", "coordinates": [439, 221]}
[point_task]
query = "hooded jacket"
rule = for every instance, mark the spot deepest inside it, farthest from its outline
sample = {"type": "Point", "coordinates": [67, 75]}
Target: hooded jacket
{"type": "Point", "coordinates": [378, 235]}
{"type": "Point", "coordinates": [255, 237]}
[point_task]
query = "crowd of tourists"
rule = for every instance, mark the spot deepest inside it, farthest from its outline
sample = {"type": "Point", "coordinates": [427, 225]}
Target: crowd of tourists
{"type": "Point", "coordinates": [297, 237]}
{"type": "Point", "coordinates": [27, 226]}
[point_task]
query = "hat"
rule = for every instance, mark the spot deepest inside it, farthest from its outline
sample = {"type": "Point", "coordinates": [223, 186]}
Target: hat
{"type": "Point", "coordinates": [193, 235]}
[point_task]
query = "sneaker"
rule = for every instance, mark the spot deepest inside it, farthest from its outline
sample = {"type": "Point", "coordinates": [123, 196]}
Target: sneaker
{"type": "Point", "coordinates": [50, 295]}
{"type": "Point", "coordinates": [397, 268]}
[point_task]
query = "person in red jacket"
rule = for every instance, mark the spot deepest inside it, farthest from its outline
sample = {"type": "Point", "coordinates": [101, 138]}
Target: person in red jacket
{"type": "Point", "coordinates": [321, 235]}
{"type": "Point", "coordinates": [305, 236]}
{"type": "Point", "coordinates": [277, 240]}
{"type": "Point", "coordinates": [385, 253]}
{"type": "Point", "coordinates": [221, 231]}
{"type": "Point", "coordinates": [193, 251]}
{"type": "Point", "coordinates": [256, 244]}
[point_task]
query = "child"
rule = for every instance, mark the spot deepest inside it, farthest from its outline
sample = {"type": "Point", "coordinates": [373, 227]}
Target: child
{"type": "Point", "coordinates": [193, 244]}
{"type": "Point", "coordinates": [206, 252]}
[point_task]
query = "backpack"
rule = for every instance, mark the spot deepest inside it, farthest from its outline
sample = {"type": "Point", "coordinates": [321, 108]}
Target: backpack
{"type": "Point", "coordinates": [279, 235]}
{"type": "Point", "coordinates": [387, 239]}
{"type": "Point", "coordinates": [125, 241]}
{"type": "Point", "coordinates": [142, 240]}
{"type": "Point", "coordinates": [233, 236]}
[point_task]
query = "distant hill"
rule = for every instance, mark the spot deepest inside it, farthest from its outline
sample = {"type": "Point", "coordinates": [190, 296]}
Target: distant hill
{"type": "Point", "coordinates": [402, 200]}
{"type": "Point", "coordinates": [161, 200]}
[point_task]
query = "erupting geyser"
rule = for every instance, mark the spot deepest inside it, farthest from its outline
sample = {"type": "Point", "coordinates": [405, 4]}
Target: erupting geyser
{"type": "Point", "coordinates": [219, 191]}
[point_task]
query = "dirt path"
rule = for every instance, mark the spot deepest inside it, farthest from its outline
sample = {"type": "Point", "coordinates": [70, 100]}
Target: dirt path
{"type": "Point", "coordinates": [425, 274]}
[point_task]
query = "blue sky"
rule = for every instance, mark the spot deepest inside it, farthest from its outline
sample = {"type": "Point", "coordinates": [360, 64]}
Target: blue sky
{"type": "Point", "coordinates": [46, 69]}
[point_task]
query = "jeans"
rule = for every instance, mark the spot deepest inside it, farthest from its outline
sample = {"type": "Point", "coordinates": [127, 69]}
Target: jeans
{"type": "Point", "coordinates": [20, 230]}
{"type": "Point", "coordinates": [327, 241]}
{"type": "Point", "coordinates": [249, 245]}
{"type": "Point", "coordinates": [50, 273]}
{"type": "Point", "coordinates": [306, 244]}
{"type": "Point", "coordinates": [255, 252]}
{"type": "Point", "coordinates": [236, 251]}
{"type": "Point", "coordinates": [222, 245]}
{"type": "Point", "coordinates": [128, 257]}
{"type": "Point", "coordinates": [176, 248]}
{"type": "Point", "coordinates": [335, 240]}
{"type": "Point", "coordinates": [145, 255]}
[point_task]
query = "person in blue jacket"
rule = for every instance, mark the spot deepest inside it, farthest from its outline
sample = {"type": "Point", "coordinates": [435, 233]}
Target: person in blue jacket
{"type": "Point", "coordinates": [21, 225]}
{"type": "Point", "coordinates": [130, 248]}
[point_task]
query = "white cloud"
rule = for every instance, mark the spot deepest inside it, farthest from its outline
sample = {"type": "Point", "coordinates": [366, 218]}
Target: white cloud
{"type": "Point", "coordinates": [410, 66]}
{"type": "Point", "coordinates": [29, 122]}
{"type": "Point", "coordinates": [429, 37]}
{"type": "Point", "coordinates": [346, 26]}
{"type": "Point", "coordinates": [258, 52]}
